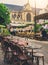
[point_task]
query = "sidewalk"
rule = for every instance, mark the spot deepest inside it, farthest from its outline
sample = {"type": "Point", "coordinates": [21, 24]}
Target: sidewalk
{"type": "Point", "coordinates": [37, 41]}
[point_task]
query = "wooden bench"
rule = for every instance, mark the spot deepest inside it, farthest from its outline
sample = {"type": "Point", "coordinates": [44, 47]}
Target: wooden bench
{"type": "Point", "coordinates": [38, 56]}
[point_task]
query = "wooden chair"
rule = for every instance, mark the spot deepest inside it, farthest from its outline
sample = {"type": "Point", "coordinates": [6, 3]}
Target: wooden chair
{"type": "Point", "coordinates": [10, 54]}
{"type": "Point", "coordinates": [4, 44]}
{"type": "Point", "coordinates": [22, 57]}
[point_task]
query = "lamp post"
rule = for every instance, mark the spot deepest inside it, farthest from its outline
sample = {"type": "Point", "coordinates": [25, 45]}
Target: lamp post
{"type": "Point", "coordinates": [35, 20]}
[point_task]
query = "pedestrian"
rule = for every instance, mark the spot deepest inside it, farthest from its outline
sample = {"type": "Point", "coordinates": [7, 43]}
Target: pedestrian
{"type": "Point", "coordinates": [44, 34]}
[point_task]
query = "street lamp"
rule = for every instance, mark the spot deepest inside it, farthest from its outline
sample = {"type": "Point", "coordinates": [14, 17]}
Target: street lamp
{"type": "Point", "coordinates": [35, 20]}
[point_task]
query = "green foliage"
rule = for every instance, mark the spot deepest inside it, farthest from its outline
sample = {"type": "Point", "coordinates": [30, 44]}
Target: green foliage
{"type": "Point", "coordinates": [6, 32]}
{"type": "Point", "coordinates": [2, 26]}
{"type": "Point", "coordinates": [38, 26]}
{"type": "Point", "coordinates": [4, 15]}
{"type": "Point", "coordinates": [46, 23]}
{"type": "Point", "coordinates": [47, 30]}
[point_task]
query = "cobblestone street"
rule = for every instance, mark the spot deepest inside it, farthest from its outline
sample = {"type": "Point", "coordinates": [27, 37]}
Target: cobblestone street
{"type": "Point", "coordinates": [44, 49]}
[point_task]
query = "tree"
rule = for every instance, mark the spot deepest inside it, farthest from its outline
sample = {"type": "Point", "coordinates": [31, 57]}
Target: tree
{"type": "Point", "coordinates": [4, 15]}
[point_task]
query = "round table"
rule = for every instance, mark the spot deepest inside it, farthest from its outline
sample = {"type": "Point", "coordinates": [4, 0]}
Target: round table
{"type": "Point", "coordinates": [32, 47]}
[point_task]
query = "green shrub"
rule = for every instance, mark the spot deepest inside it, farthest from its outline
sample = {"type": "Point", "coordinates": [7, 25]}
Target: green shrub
{"type": "Point", "coordinates": [46, 30]}
{"type": "Point", "coordinates": [5, 32]}
{"type": "Point", "coordinates": [38, 26]}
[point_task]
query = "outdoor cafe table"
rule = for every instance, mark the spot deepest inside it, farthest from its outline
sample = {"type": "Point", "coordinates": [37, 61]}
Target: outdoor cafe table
{"type": "Point", "coordinates": [32, 47]}
{"type": "Point", "coordinates": [18, 41]}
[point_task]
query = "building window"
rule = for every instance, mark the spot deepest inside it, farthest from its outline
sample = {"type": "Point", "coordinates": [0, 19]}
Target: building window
{"type": "Point", "coordinates": [28, 17]}
{"type": "Point", "coordinates": [18, 17]}
{"type": "Point", "coordinates": [14, 15]}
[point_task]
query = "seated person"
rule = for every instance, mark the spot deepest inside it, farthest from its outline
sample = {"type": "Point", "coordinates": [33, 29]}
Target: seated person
{"type": "Point", "coordinates": [44, 33]}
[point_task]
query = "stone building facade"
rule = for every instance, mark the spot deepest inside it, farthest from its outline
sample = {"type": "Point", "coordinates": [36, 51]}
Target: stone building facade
{"type": "Point", "coordinates": [21, 13]}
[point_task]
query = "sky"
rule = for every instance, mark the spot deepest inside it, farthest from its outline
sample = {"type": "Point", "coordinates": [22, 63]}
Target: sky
{"type": "Point", "coordinates": [39, 3]}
